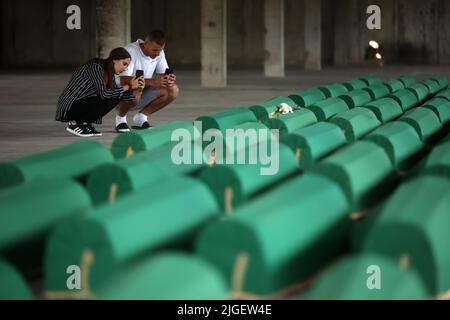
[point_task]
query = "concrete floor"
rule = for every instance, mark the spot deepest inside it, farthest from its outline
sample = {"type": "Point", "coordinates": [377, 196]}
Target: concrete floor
{"type": "Point", "coordinates": [28, 100]}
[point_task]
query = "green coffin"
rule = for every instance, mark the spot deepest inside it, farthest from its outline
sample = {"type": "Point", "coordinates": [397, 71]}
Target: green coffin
{"type": "Point", "coordinates": [315, 142]}
{"type": "Point", "coordinates": [12, 284]}
{"type": "Point", "coordinates": [371, 80]}
{"type": "Point", "coordinates": [280, 239]}
{"type": "Point", "coordinates": [307, 97]}
{"type": "Point", "coordinates": [361, 170]}
{"type": "Point", "coordinates": [444, 94]}
{"type": "Point", "coordinates": [74, 160]}
{"type": "Point", "coordinates": [406, 98]}
{"type": "Point", "coordinates": [355, 84]}
{"type": "Point", "coordinates": [167, 276]}
{"type": "Point", "coordinates": [30, 210]}
{"type": "Point", "coordinates": [239, 145]}
{"type": "Point", "coordinates": [130, 143]}
{"type": "Point", "coordinates": [413, 230]}
{"type": "Point", "coordinates": [356, 98]}
{"type": "Point", "coordinates": [110, 236]}
{"type": "Point", "coordinates": [385, 109]}
{"type": "Point", "coordinates": [432, 86]}
{"type": "Point", "coordinates": [356, 123]}
{"type": "Point", "coordinates": [407, 81]}
{"type": "Point", "coordinates": [399, 140]}
{"type": "Point", "coordinates": [438, 162]}
{"type": "Point", "coordinates": [113, 180]}
{"type": "Point", "coordinates": [289, 122]}
{"type": "Point", "coordinates": [441, 107]}
{"type": "Point", "coordinates": [424, 121]}
{"type": "Point", "coordinates": [377, 91]}
{"type": "Point", "coordinates": [233, 184]}
{"type": "Point", "coordinates": [325, 109]}
{"type": "Point", "coordinates": [334, 90]}
{"type": "Point", "coordinates": [353, 278]}
{"type": "Point", "coordinates": [394, 85]}
{"type": "Point", "coordinates": [226, 119]}
{"type": "Point", "coordinates": [442, 81]}
{"type": "Point", "coordinates": [420, 90]}
{"type": "Point", "coordinates": [263, 110]}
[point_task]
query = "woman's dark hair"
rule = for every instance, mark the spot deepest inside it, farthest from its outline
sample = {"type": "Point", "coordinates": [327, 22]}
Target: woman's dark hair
{"type": "Point", "coordinates": [108, 65]}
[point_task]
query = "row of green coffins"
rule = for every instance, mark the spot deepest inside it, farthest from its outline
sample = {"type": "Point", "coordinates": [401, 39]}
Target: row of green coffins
{"type": "Point", "coordinates": [360, 171]}
{"type": "Point", "coordinates": [112, 179]}
{"type": "Point", "coordinates": [45, 222]}
{"type": "Point", "coordinates": [86, 156]}
{"type": "Point", "coordinates": [77, 160]}
{"type": "Point", "coordinates": [243, 260]}
{"type": "Point", "coordinates": [262, 253]}
{"type": "Point", "coordinates": [102, 241]}
{"type": "Point", "coordinates": [234, 183]}
{"type": "Point", "coordinates": [401, 249]}
{"type": "Point", "coordinates": [108, 239]}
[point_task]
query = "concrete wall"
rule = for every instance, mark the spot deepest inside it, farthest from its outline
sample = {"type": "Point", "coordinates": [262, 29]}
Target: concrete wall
{"type": "Point", "coordinates": [34, 33]}
{"type": "Point", "coordinates": [413, 31]}
{"type": "Point", "coordinates": [245, 35]}
{"type": "Point", "coordinates": [180, 19]}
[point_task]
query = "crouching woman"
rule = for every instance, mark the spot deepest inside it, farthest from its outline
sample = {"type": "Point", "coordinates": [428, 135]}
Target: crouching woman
{"type": "Point", "coordinates": [92, 92]}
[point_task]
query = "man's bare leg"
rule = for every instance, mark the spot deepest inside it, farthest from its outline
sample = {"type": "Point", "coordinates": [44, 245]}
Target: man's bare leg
{"type": "Point", "coordinates": [164, 97]}
{"type": "Point", "coordinates": [123, 107]}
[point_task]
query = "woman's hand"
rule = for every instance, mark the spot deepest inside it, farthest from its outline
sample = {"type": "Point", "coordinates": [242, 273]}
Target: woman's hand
{"type": "Point", "coordinates": [135, 82]}
{"type": "Point", "coordinates": [141, 83]}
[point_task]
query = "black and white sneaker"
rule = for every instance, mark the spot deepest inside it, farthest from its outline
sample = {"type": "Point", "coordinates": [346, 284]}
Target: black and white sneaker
{"type": "Point", "coordinates": [145, 125]}
{"type": "Point", "coordinates": [79, 130]}
{"type": "Point", "coordinates": [122, 127]}
{"type": "Point", "coordinates": [94, 131]}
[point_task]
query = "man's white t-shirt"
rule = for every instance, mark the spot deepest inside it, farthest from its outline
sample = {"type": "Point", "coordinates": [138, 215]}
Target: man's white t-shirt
{"type": "Point", "coordinates": [139, 61]}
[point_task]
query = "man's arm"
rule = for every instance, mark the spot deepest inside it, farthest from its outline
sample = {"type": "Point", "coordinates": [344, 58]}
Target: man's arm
{"type": "Point", "coordinates": [159, 81]}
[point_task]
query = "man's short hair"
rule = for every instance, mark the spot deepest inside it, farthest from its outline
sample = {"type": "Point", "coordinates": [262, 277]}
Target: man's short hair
{"type": "Point", "coordinates": [157, 36]}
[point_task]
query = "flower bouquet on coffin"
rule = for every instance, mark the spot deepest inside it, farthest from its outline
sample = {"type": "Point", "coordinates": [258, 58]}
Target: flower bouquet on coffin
{"type": "Point", "coordinates": [281, 109]}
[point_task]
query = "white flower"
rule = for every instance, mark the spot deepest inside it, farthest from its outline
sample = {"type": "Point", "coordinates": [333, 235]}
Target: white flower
{"type": "Point", "coordinates": [283, 108]}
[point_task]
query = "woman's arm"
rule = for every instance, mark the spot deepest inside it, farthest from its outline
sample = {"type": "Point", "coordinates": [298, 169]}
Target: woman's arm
{"type": "Point", "coordinates": [95, 73]}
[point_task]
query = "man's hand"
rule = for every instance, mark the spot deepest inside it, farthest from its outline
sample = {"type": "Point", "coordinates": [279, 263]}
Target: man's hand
{"type": "Point", "coordinates": [161, 80]}
{"type": "Point", "coordinates": [171, 80]}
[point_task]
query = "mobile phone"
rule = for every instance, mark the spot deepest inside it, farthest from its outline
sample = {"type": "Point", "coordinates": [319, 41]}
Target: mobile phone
{"type": "Point", "coordinates": [139, 73]}
{"type": "Point", "coordinates": [169, 71]}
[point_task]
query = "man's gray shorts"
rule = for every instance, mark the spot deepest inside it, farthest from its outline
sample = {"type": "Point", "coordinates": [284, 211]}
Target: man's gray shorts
{"type": "Point", "coordinates": [148, 95]}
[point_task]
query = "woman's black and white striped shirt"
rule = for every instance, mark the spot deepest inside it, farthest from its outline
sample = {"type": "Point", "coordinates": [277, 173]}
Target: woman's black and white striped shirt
{"type": "Point", "coordinates": [88, 81]}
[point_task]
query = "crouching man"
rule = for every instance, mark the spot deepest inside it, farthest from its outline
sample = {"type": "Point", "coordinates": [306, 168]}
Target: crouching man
{"type": "Point", "coordinates": [160, 87]}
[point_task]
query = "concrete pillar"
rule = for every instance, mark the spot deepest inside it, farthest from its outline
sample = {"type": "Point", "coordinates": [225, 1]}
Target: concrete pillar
{"type": "Point", "coordinates": [328, 13]}
{"type": "Point", "coordinates": [347, 26]}
{"type": "Point", "coordinates": [313, 35]}
{"type": "Point", "coordinates": [214, 43]}
{"type": "Point", "coordinates": [274, 38]}
{"type": "Point", "coordinates": [113, 25]}
{"type": "Point", "coordinates": [444, 33]}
